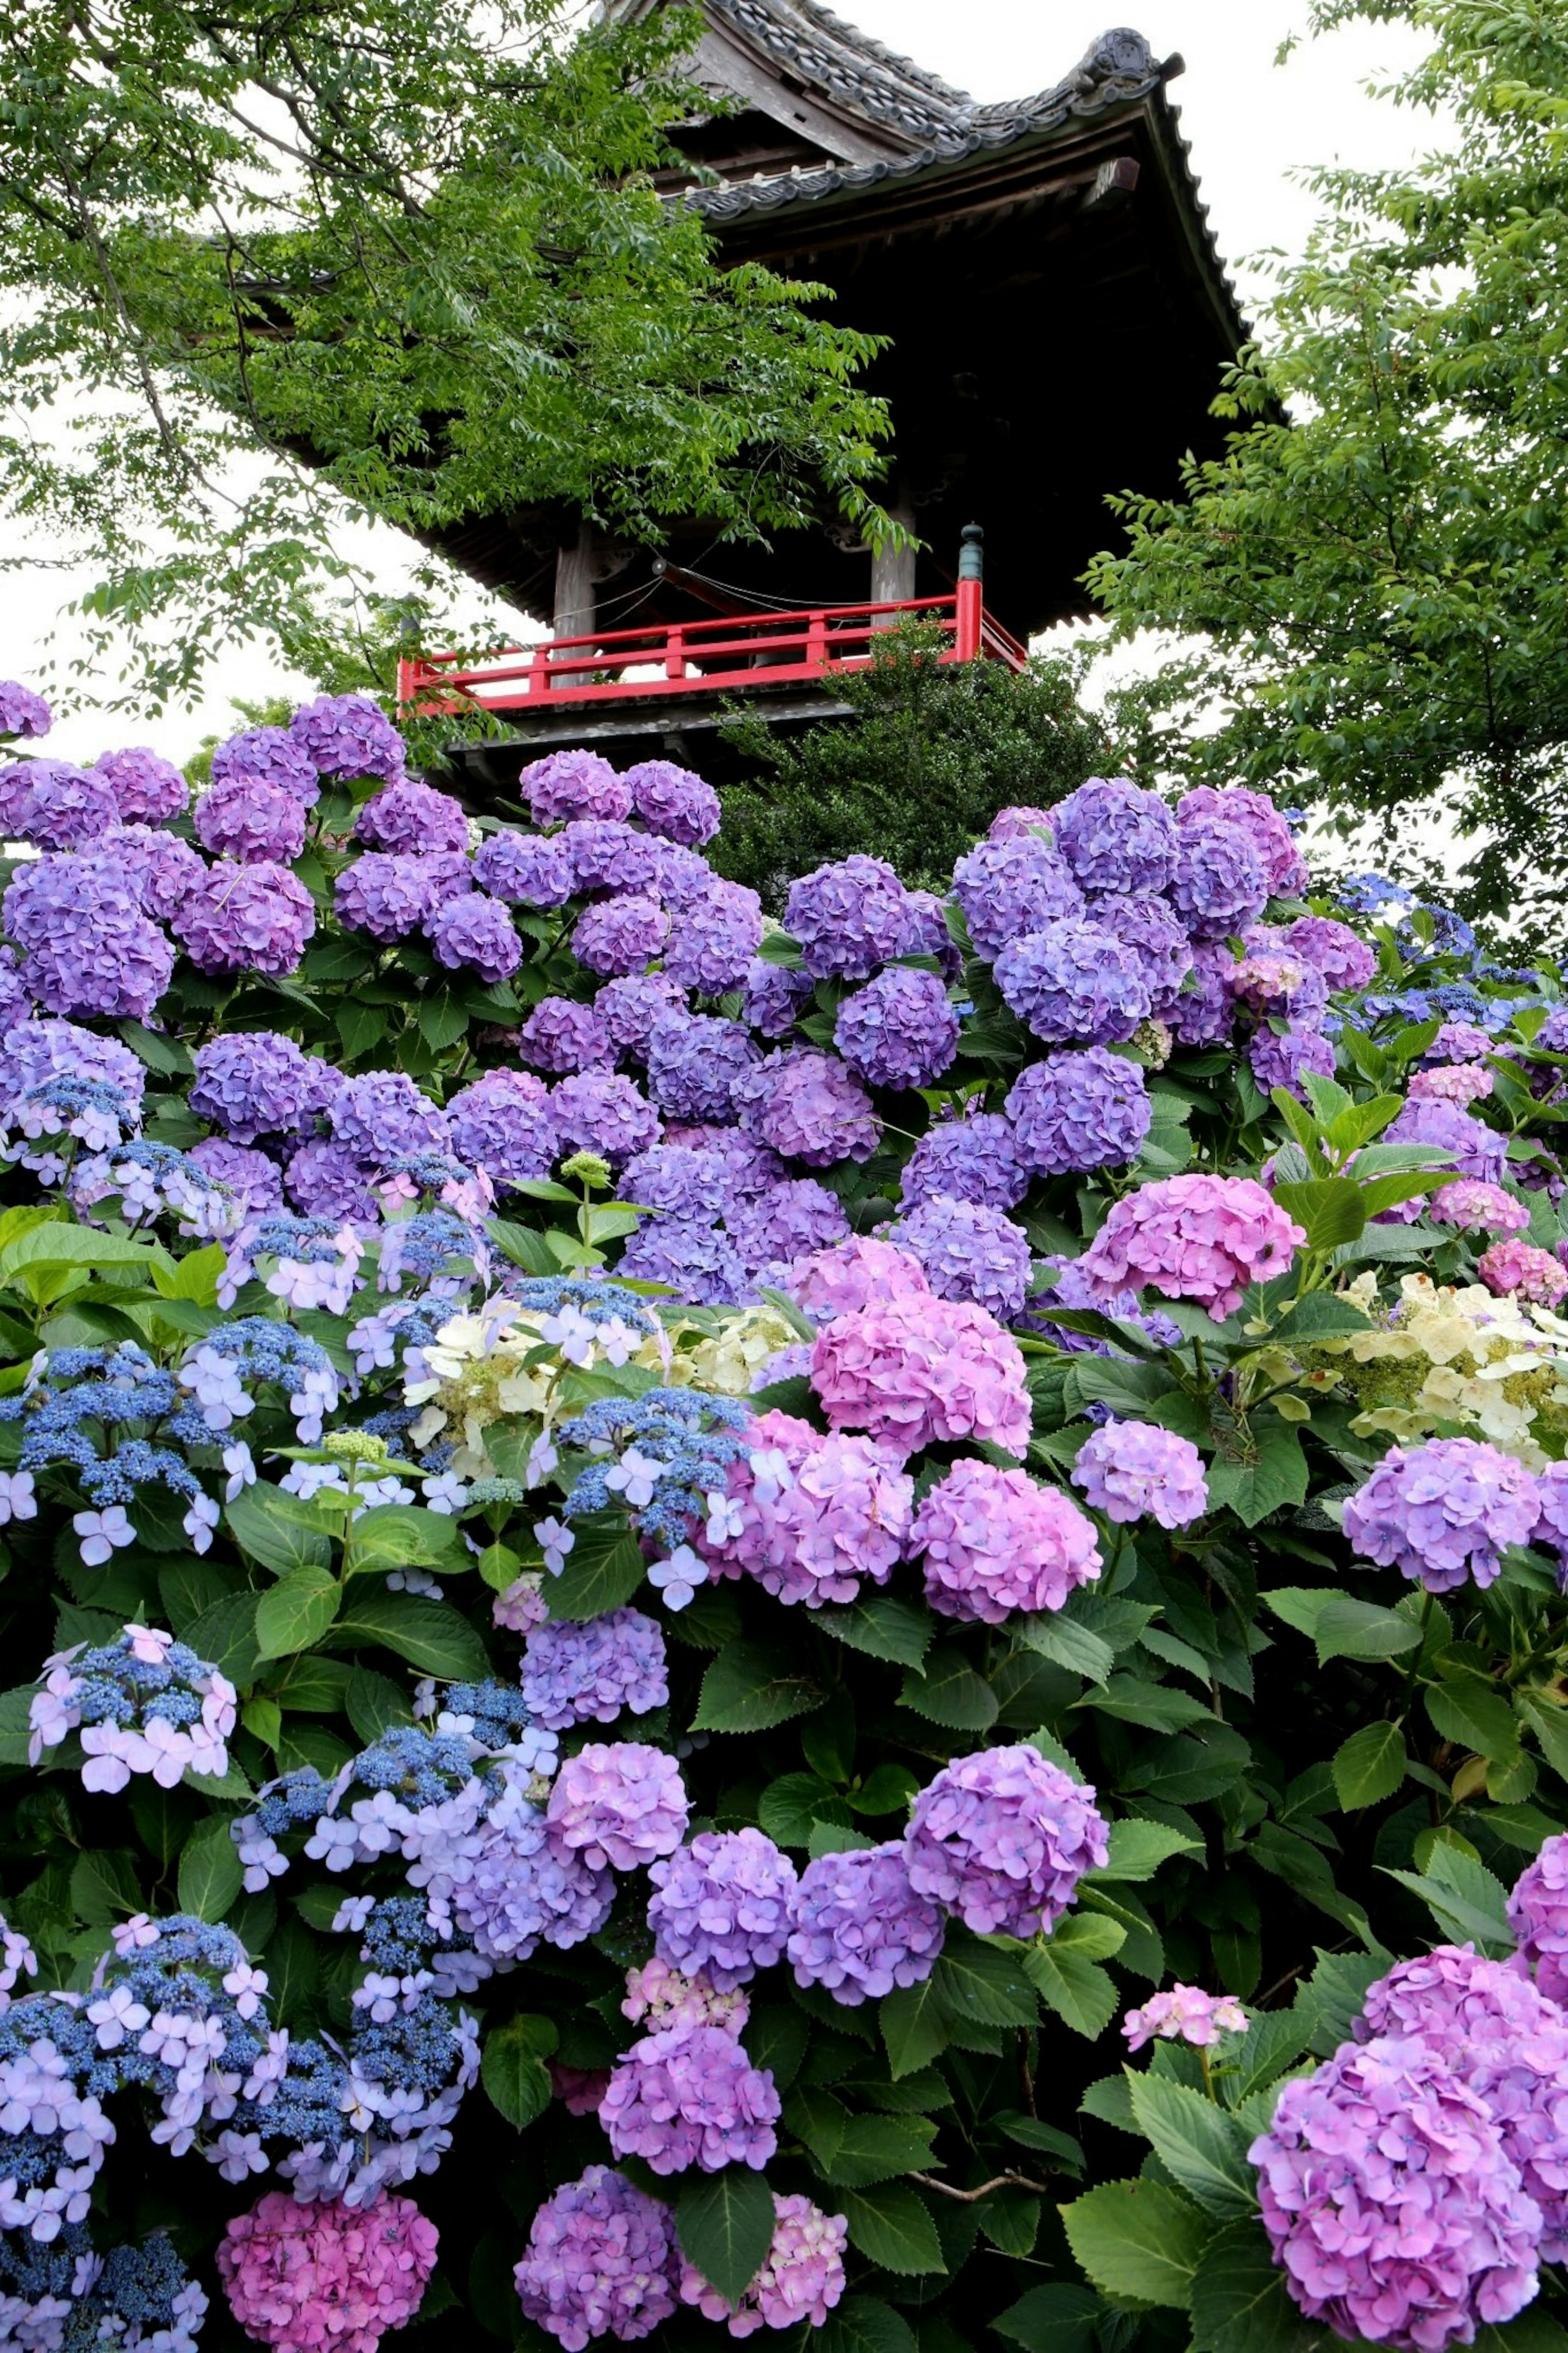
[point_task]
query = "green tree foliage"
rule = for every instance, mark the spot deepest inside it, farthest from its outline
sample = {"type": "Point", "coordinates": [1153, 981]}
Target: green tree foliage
{"type": "Point", "coordinates": [422, 245]}
{"type": "Point", "coordinates": [928, 755]}
{"type": "Point", "coordinates": [1380, 563]}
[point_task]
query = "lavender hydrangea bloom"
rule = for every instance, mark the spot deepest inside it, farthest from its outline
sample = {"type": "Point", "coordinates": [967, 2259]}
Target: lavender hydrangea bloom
{"type": "Point", "coordinates": [995, 1542]}
{"type": "Point", "coordinates": [1203, 1012]}
{"type": "Point", "coordinates": [693, 1063]}
{"type": "Point", "coordinates": [808, 1106]}
{"type": "Point", "coordinates": [600, 2263]}
{"type": "Point", "coordinates": [348, 736]}
{"type": "Point", "coordinates": [1538, 1915]}
{"type": "Point", "coordinates": [247, 919]}
{"type": "Point", "coordinates": [390, 897]}
{"type": "Point", "coordinates": [1150, 929]}
{"type": "Point", "coordinates": [688, 2095]}
{"type": "Point", "coordinates": [503, 1125]}
{"type": "Point", "coordinates": [1390, 2201]}
{"type": "Point", "coordinates": [969, 1251]}
{"type": "Point", "coordinates": [973, 1159]}
{"type": "Point", "coordinates": [90, 950]}
{"type": "Point", "coordinates": [618, 1803]}
{"type": "Point", "coordinates": [859, 1273]}
{"type": "Point", "coordinates": [930, 934]}
{"type": "Point", "coordinates": [1017, 818]}
{"type": "Point", "coordinates": [772, 1227]}
{"type": "Point", "coordinates": [250, 1176]}
{"type": "Point", "coordinates": [251, 821]}
{"type": "Point", "coordinates": [1073, 1111]}
{"type": "Point", "coordinates": [561, 1034]}
{"type": "Point", "coordinates": [1002, 1839]}
{"type": "Point", "coordinates": [775, 993]}
{"type": "Point", "coordinates": [34, 1051]}
{"type": "Point", "coordinates": [848, 917]}
{"type": "Point", "coordinates": [1126, 1468]}
{"type": "Point", "coordinates": [692, 1258]}
{"type": "Point", "coordinates": [1115, 837]}
{"type": "Point", "coordinates": [255, 1082]}
{"type": "Point", "coordinates": [162, 869]}
{"type": "Point", "coordinates": [268, 755]}
{"type": "Point", "coordinates": [147, 788]}
{"type": "Point", "coordinates": [524, 870]}
{"type": "Point", "coordinates": [600, 1111]}
{"type": "Point", "coordinates": [1474, 1148]}
{"type": "Point", "coordinates": [899, 1031]}
{"type": "Point", "coordinates": [674, 802]}
{"type": "Point", "coordinates": [620, 935]}
{"type": "Point", "coordinates": [606, 855]}
{"type": "Point", "coordinates": [859, 1929]}
{"type": "Point", "coordinates": [1074, 984]}
{"type": "Point", "coordinates": [1254, 817]}
{"type": "Point", "coordinates": [1334, 949]}
{"type": "Point", "coordinates": [589, 1673]}
{"type": "Point", "coordinates": [1442, 1512]}
{"type": "Point", "coordinates": [410, 818]}
{"type": "Point", "coordinates": [721, 1905]}
{"type": "Point", "coordinates": [1282, 1058]}
{"type": "Point", "coordinates": [1008, 887]}
{"type": "Point", "coordinates": [382, 1115]}
{"type": "Point", "coordinates": [327, 1180]}
{"type": "Point", "coordinates": [711, 947]}
{"type": "Point", "coordinates": [572, 784]}
{"type": "Point", "coordinates": [23, 713]}
{"type": "Point", "coordinates": [1221, 883]}
{"type": "Point", "coordinates": [682, 1180]}
{"type": "Point", "coordinates": [473, 933]}
{"type": "Point", "coordinates": [65, 807]}
{"type": "Point", "coordinates": [630, 1007]}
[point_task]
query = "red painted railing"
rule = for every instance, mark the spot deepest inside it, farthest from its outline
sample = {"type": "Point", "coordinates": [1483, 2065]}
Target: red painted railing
{"type": "Point", "coordinates": [696, 657]}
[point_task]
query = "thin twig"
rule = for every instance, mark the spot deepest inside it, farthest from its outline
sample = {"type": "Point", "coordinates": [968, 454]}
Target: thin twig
{"type": "Point", "coordinates": [969, 2197]}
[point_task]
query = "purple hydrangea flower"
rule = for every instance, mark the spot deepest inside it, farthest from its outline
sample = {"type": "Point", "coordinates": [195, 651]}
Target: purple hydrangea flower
{"type": "Point", "coordinates": [1390, 2201]}
{"type": "Point", "coordinates": [600, 2261]}
{"type": "Point", "coordinates": [808, 1106]}
{"type": "Point", "coordinates": [1128, 1468]}
{"type": "Point", "coordinates": [1074, 984]}
{"type": "Point", "coordinates": [673, 802]}
{"type": "Point", "coordinates": [1148, 927]}
{"type": "Point", "coordinates": [159, 868]}
{"type": "Point", "coordinates": [722, 1907]}
{"type": "Point", "coordinates": [775, 993]}
{"type": "Point", "coordinates": [1442, 1512]}
{"type": "Point", "coordinates": [618, 1803]}
{"type": "Point", "coordinates": [861, 1929]}
{"type": "Point", "coordinates": [772, 1227]}
{"type": "Point", "coordinates": [1473, 1147]}
{"type": "Point", "coordinates": [630, 1007]}
{"type": "Point", "coordinates": [1002, 1839]}
{"type": "Point", "coordinates": [34, 1051]}
{"type": "Point", "coordinates": [1017, 818]}
{"type": "Point", "coordinates": [473, 933]}
{"type": "Point", "coordinates": [1538, 1915]}
{"type": "Point", "coordinates": [249, 1174]}
{"type": "Point", "coordinates": [606, 855]}
{"type": "Point", "coordinates": [848, 917]}
{"type": "Point", "coordinates": [390, 897]}
{"type": "Point", "coordinates": [969, 1253]}
{"type": "Point", "coordinates": [574, 785]}
{"type": "Point", "coordinates": [861, 1272]}
{"type": "Point", "coordinates": [588, 1673]}
{"type": "Point", "coordinates": [1334, 949]}
{"type": "Point", "coordinates": [562, 1035]}
{"type": "Point", "coordinates": [503, 1123]}
{"type": "Point", "coordinates": [753, 1168]}
{"type": "Point", "coordinates": [996, 1542]}
{"type": "Point", "coordinates": [247, 919]}
{"type": "Point", "coordinates": [600, 1111]}
{"type": "Point", "coordinates": [693, 1063]}
{"type": "Point", "coordinates": [620, 935]}
{"type": "Point", "coordinates": [1461, 1041]}
{"type": "Point", "coordinates": [1221, 883]}
{"type": "Point", "coordinates": [930, 934]}
{"type": "Point", "coordinates": [1254, 817]}
{"type": "Point", "coordinates": [411, 819]}
{"type": "Point", "coordinates": [1076, 1112]}
{"type": "Point", "coordinates": [348, 736]}
{"type": "Point", "coordinates": [253, 822]}
{"type": "Point", "coordinates": [255, 1082]}
{"type": "Point", "coordinates": [689, 2096]}
{"type": "Point", "coordinates": [691, 1257]}
{"type": "Point", "coordinates": [1281, 1058]}
{"type": "Point", "coordinates": [682, 1180]}
{"type": "Point", "coordinates": [23, 713]}
{"type": "Point", "coordinates": [899, 1031]}
{"type": "Point", "coordinates": [1009, 886]}
{"type": "Point", "coordinates": [524, 870]}
{"type": "Point", "coordinates": [65, 807]}
{"type": "Point", "coordinates": [268, 755]}
{"type": "Point", "coordinates": [711, 946]}
{"type": "Point", "coordinates": [147, 788]}
{"type": "Point", "coordinates": [973, 1159]}
{"type": "Point", "coordinates": [382, 1115]}
{"type": "Point", "coordinates": [1115, 837]}
{"type": "Point", "coordinates": [91, 951]}
{"type": "Point", "coordinates": [1203, 1012]}
{"type": "Point", "coordinates": [327, 1180]}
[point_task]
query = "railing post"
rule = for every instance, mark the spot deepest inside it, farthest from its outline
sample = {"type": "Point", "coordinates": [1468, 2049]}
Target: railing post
{"type": "Point", "coordinates": [969, 616]}
{"type": "Point", "coordinates": [816, 640]}
{"type": "Point", "coordinates": [407, 673]}
{"type": "Point", "coordinates": [675, 654]}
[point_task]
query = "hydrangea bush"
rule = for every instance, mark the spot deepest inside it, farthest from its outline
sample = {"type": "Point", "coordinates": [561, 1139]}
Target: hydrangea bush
{"type": "Point", "coordinates": [672, 1581]}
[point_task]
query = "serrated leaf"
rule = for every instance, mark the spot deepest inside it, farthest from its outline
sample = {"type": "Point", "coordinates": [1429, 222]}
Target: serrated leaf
{"type": "Point", "coordinates": [224, 1635]}
{"type": "Point", "coordinates": [748, 1689]}
{"type": "Point", "coordinates": [1473, 1716]}
{"type": "Point", "coordinates": [431, 1635]}
{"type": "Point", "coordinates": [1464, 1898]}
{"type": "Point", "coordinates": [1201, 2148]}
{"type": "Point", "coordinates": [603, 1569]}
{"type": "Point", "coordinates": [104, 1887]}
{"type": "Point", "coordinates": [1137, 1849]}
{"type": "Point", "coordinates": [990, 1983]}
{"type": "Point", "coordinates": [1137, 2239]}
{"type": "Point", "coordinates": [951, 1694]}
{"type": "Point", "coordinates": [513, 2068]}
{"type": "Point", "coordinates": [1253, 1485]}
{"type": "Point", "coordinates": [1080, 1992]}
{"type": "Point", "coordinates": [1065, 1644]}
{"type": "Point", "coordinates": [790, 1807]}
{"type": "Point", "coordinates": [211, 1875]}
{"type": "Point", "coordinates": [374, 1704]}
{"type": "Point", "coordinates": [1347, 1628]}
{"type": "Point", "coordinates": [1061, 2318]}
{"type": "Point", "coordinates": [882, 1628]}
{"type": "Point", "coordinates": [878, 2148]}
{"type": "Point", "coordinates": [863, 2324]}
{"type": "Point", "coordinates": [297, 1612]}
{"type": "Point", "coordinates": [263, 1526]}
{"type": "Point", "coordinates": [1329, 1210]}
{"type": "Point", "coordinates": [1549, 1726]}
{"type": "Point", "coordinates": [725, 2224]}
{"type": "Point", "coordinates": [892, 2225]}
{"type": "Point", "coordinates": [1157, 1707]}
{"type": "Point", "coordinates": [914, 2022]}
{"type": "Point", "coordinates": [405, 1535]}
{"type": "Point", "coordinates": [1370, 1766]}
{"type": "Point", "coordinates": [1240, 2303]}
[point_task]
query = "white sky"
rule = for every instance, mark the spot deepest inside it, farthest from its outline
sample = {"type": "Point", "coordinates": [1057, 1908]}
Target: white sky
{"type": "Point", "coordinates": [1250, 123]}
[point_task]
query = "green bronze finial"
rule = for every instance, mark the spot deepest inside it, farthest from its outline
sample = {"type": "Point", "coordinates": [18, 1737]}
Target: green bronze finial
{"type": "Point", "coordinates": [972, 553]}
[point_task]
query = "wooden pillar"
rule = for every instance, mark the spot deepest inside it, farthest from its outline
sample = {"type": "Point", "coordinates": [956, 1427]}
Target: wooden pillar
{"type": "Point", "coordinates": [575, 604]}
{"type": "Point", "coordinates": [893, 568]}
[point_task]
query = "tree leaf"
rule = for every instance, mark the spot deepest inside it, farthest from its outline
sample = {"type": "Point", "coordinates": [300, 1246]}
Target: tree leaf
{"type": "Point", "coordinates": [991, 1983]}
{"type": "Point", "coordinates": [1201, 2148]}
{"type": "Point", "coordinates": [950, 1693]}
{"type": "Point", "coordinates": [104, 1889]}
{"type": "Point", "coordinates": [891, 2226]}
{"type": "Point", "coordinates": [1469, 1712]}
{"type": "Point", "coordinates": [882, 1627]}
{"type": "Point", "coordinates": [747, 1688]}
{"type": "Point", "coordinates": [431, 1635]}
{"type": "Point", "coordinates": [603, 1569]}
{"type": "Point", "coordinates": [1065, 1644]}
{"type": "Point", "coordinates": [1273, 1475]}
{"type": "Point", "coordinates": [1370, 1766]}
{"type": "Point", "coordinates": [211, 1875]}
{"type": "Point", "coordinates": [1137, 2239]}
{"type": "Point", "coordinates": [224, 1635]}
{"type": "Point", "coordinates": [374, 1702]}
{"type": "Point", "coordinates": [513, 2067]}
{"type": "Point", "coordinates": [725, 2224]}
{"type": "Point", "coordinates": [1330, 1209]}
{"type": "Point", "coordinates": [1158, 1707]}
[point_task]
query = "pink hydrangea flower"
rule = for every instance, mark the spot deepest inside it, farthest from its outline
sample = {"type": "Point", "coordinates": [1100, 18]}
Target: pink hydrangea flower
{"type": "Point", "coordinates": [1128, 1469]}
{"type": "Point", "coordinates": [1198, 1237]}
{"type": "Point", "coordinates": [326, 2278]}
{"type": "Point", "coordinates": [663, 1996]}
{"type": "Point", "coordinates": [996, 1541]}
{"type": "Point", "coordinates": [1476, 1207]}
{"type": "Point", "coordinates": [919, 1370]}
{"type": "Point", "coordinates": [1455, 1082]}
{"type": "Point", "coordinates": [801, 2279]}
{"type": "Point", "coordinates": [1538, 1915]}
{"type": "Point", "coordinates": [1186, 2014]}
{"type": "Point", "coordinates": [1002, 1839]}
{"type": "Point", "coordinates": [853, 1275]}
{"type": "Point", "coordinates": [1518, 1267]}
